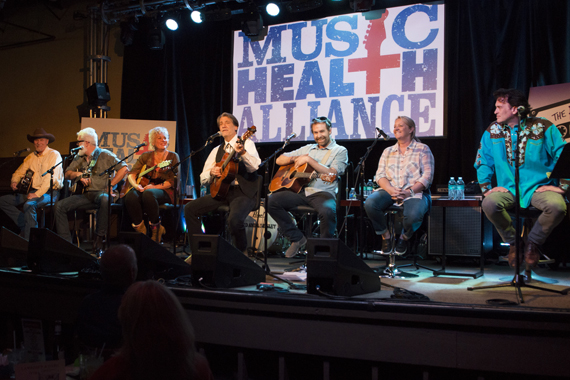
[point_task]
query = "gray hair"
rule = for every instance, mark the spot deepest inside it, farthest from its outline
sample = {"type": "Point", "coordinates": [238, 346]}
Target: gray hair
{"type": "Point", "coordinates": [156, 131]}
{"type": "Point", "coordinates": [88, 134]}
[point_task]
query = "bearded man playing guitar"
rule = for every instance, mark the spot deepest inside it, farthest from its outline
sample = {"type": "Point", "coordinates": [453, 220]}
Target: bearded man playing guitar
{"type": "Point", "coordinates": [93, 160]}
{"type": "Point", "coordinates": [31, 189]}
{"type": "Point", "coordinates": [152, 183]}
{"type": "Point", "coordinates": [240, 194]}
{"type": "Point", "coordinates": [325, 158]}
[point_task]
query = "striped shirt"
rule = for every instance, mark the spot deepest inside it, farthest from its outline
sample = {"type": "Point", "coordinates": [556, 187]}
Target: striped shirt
{"type": "Point", "coordinates": [404, 170]}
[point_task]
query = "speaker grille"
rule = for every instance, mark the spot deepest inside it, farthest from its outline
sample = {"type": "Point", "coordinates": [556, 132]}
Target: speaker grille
{"type": "Point", "coordinates": [462, 231]}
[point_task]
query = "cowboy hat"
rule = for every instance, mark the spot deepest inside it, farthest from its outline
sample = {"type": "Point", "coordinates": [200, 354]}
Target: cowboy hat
{"type": "Point", "coordinates": [40, 133]}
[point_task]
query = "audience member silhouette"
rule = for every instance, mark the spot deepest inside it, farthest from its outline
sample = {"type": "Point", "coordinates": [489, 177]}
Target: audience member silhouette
{"type": "Point", "coordinates": [158, 339]}
{"type": "Point", "coordinates": [98, 321]}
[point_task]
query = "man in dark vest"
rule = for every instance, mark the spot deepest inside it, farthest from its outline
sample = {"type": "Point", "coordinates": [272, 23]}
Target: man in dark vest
{"type": "Point", "coordinates": [241, 195]}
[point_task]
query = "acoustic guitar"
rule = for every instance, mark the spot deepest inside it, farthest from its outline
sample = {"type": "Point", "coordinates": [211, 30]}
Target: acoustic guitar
{"type": "Point", "coordinates": [142, 178]}
{"type": "Point", "coordinates": [25, 183]}
{"type": "Point", "coordinates": [229, 167]}
{"type": "Point", "coordinates": [289, 177]}
{"type": "Point", "coordinates": [77, 187]}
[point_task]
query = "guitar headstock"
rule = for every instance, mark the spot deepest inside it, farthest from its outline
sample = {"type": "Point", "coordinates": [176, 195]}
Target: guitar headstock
{"type": "Point", "coordinates": [250, 131]}
{"type": "Point", "coordinates": [330, 177]}
{"type": "Point", "coordinates": [164, 163]}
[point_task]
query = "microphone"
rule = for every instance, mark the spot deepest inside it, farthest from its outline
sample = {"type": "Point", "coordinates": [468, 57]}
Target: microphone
{"type": "Point", "coordinates": [291, 136]}
{"type": "Point", "coordinates": [140, 146]}
{"type": "Point", "coordinates": [217, 134]}
{"type": "Point", "coordinates": [384, 135]}
{"type": "Point", "coordinates": [21, 151]}
{"type": "Point", "coordinates": [520, 109]}
{"type": "Point", "coordinates": [76, 150]}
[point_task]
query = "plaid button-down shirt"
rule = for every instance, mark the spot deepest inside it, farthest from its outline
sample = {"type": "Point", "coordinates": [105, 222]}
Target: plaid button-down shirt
{"type": "Point", "coordinates": [403, 170]}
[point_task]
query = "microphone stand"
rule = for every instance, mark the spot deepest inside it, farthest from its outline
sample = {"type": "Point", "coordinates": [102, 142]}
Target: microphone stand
{"type": "Point", "coordinates": [108, 171]}
{"type": "Point", "coordinates": [265, 222]}
{"type": "Point", "coordinates": [177, 207]}
{"type": "Point", "coordinates": [50, 171]}
{"type": "Point", "coordinates": [518, 279]}
{"type": "Point", "coordinates": [359, 183]}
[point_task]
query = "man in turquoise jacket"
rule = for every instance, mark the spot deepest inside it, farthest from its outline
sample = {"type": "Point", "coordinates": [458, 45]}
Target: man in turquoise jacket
{"type": "Point", "coordinates": [540, 144]}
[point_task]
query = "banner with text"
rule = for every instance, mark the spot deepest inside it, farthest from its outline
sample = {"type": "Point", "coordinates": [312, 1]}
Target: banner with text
{"type": "Point", "coordinates": [361, 70]}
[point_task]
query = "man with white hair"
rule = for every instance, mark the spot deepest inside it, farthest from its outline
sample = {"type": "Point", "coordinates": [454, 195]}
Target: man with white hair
{"type": "Point", "coordinates": [85, 170]}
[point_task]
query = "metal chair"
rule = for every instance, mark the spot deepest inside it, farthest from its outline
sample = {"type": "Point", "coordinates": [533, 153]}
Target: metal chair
{"type": "Point", "coordinates": [391, 270]}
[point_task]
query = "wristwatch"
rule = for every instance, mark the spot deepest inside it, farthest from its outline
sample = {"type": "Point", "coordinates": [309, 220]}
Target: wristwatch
{"type": "Point", "coordinates": [411, 192]}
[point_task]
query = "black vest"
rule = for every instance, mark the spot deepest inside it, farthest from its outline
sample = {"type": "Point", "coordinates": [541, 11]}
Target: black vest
{"type": "Point", "coordinates": [247, 182]}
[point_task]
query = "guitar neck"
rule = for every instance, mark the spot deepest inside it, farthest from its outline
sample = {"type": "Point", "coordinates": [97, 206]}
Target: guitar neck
{"type": "Point", "coordinates": [147, 171]}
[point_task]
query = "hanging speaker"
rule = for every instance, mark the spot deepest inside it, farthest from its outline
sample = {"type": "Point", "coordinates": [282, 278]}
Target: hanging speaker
{"type": "Point", "coordinates": [333, 268]}
{"type": "Point", "coordinates": [217, 263]}
{"type": "Point", "coordinates": [50, 253]}
{"type": "Point", "coordinates": [13, 249]}
{"type": "Point", "coordinates": [153, 260]}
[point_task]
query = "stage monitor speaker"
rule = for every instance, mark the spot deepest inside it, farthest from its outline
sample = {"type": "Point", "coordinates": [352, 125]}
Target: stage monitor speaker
{"type": "Point", "coordinates": [217, 263]}
{"type": "Point", "coordinates": [153, 260]}
{"type": "Point", "coordinates": [13, 249]}
{"type": "Point", "coordinates": [50, 253]}
{"type": "Point", "coordinates": [335, 269]}
{"type": "Point", "coordinates": [465, 227]}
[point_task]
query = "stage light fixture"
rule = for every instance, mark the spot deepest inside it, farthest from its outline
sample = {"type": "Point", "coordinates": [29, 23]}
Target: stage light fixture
{"type": "Point", "coordinates": [155, 38]}
{"type": "Point", "coordinates": [361, 5]}
{"type": "Point", "coordinates": [171, 23]}
{"type": "Point", "coordinates": [196, 16]}
{"type": "Point", "coordinates": [128, 29]}
{"type": "Point", "coordinates": [272, 9]}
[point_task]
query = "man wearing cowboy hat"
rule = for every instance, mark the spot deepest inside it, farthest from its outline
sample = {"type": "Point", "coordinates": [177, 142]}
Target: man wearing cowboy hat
{"type": "Point", "coordinates": [43, 159]}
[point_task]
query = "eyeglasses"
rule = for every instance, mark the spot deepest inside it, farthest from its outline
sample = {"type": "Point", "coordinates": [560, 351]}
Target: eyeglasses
{"type": "Point", "coordinates": [80, 141]}
{"type": "Point", "coordinates": [321, 119]}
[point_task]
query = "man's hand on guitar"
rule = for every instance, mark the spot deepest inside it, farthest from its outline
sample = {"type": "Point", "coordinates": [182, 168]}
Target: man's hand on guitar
{"type": "Point", "coordinates": [216, 172]}
{"type": "Point", "coordinates": [239, 148]}
{"type": "Point", "coordinates": [301, 160]}
{"type": "Point", "coordinates": [86, 181]}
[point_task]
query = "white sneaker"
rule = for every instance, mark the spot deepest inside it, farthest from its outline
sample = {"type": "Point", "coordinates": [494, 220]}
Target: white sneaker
{"type": "Point", "coordinates": [295, 247]}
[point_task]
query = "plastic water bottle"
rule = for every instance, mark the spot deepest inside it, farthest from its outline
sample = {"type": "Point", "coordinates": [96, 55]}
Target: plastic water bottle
{"type": "Point", "coordinates": [203, 191]}
{"type": "Point", "coordinates": [460, 189]}
{"type": "Point", "coordinates": [452, 188]}
{"type": "Point", "coordinates": [369, 188]}
{"type": "Point", "coordinates": [352, 194]}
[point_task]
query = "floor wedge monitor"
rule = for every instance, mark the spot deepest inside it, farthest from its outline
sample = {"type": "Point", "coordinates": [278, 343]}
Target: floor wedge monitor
{"type": "Point", "coordinates": [13, 249]}
{"type": "Point", "coordinates": [217, 263]}
{"type": "Point", "coordinates": [333, 268]}
{"type": "Point", "coordinates": [153, 260]}
{"type": "Point", "coordinates": [50, 253]}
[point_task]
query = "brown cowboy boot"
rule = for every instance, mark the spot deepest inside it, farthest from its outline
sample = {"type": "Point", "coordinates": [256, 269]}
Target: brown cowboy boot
{"type": "Point", "coordinates": [140, 227]}
{"type": "Point", "coordinates": [157, 230]}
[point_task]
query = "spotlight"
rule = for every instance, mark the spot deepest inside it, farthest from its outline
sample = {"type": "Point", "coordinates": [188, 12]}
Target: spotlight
{"type": "Point", "coordinates": [155, 38]}
{"type": "Point", "coordinates": [171, 23]}
{"type": "Point", "coordinates": [196, 16]}
{"type": "Point", "coordinates": [128, 29]}
{"type": "Point", "coordinates": [253, 24]}
{"type": "Point", "coordinates": [272, 9]}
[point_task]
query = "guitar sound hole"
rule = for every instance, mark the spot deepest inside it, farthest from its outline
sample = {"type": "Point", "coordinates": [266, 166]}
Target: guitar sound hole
{"type": "Point", "coordinates": [292, 175]}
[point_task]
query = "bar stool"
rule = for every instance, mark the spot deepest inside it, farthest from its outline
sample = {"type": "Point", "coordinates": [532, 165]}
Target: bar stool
{"type": "Point", "coordinates": [528, 216]}
{"type": "Point", "coordinates": [391, 269]}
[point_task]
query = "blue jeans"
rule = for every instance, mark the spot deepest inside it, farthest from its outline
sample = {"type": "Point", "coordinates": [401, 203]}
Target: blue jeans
{"type": "Point", "coordinates": [28, 217]}
{"type": "Point", "coordinates": [414, 211]}
{"type": "Point", "coordinates": [550, 203]}
{"type": "Point", "coordinates": [282, 201]}
{"type": "Point", "coordinates": [92, 199]}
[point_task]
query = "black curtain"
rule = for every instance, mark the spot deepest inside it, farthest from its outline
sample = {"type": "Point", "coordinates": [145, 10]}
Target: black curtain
{"type": "Point", "coordinates": [489, 44]}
